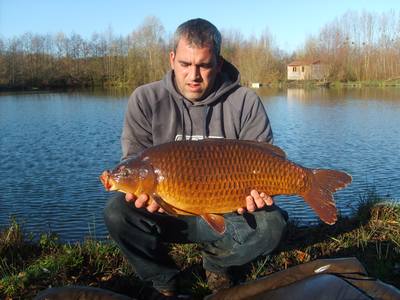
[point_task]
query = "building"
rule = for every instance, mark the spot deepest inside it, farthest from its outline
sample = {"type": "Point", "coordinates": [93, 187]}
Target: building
{"type": "Point", "coordinates": [256, 85]}
{"type": "Point", "coordinates": [306, 70]}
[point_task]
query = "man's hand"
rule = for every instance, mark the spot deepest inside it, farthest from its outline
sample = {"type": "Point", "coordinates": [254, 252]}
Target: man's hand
{"type": "Point", "coordinates": [255, 201]}
{"type": "Point", "coordinates": [143, 200]}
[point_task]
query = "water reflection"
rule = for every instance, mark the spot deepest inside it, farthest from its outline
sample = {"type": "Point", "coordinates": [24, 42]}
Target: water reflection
{"type": "Point", "coordinates": [327, 95]}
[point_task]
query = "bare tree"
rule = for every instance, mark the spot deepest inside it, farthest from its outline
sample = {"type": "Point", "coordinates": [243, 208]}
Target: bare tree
{"type": "Point", "coordinates": [356, 46]}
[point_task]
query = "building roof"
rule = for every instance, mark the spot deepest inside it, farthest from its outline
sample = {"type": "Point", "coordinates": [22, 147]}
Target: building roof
{"type": "Point", "coordinates": [303, 62]}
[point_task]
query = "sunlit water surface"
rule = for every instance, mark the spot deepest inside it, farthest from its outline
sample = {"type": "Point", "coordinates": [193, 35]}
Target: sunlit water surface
{"type": "Point", "coordinates": [53, 146]}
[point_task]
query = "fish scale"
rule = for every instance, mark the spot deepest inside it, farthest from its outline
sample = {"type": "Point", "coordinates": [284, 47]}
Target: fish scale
{"type": "Point", "coordinates": [214, 176]}
{"type": "Point", "coordinates": [218, 178]}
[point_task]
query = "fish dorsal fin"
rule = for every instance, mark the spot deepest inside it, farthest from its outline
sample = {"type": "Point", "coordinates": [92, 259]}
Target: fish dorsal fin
{"type": "Point", "coordinates": [272, 148]}
{"type": "Point", "coordinates": [164, 205]}
{"type": "Point", "coordinates": [265, 145]}
{"type": "Point", "coordinates": [216, 222]}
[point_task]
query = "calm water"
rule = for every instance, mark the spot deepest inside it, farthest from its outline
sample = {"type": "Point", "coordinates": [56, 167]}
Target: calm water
{"type": "Point", "coordinates": [54, 146]}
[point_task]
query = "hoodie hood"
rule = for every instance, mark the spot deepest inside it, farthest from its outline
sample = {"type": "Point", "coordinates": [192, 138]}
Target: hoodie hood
{"type": "Point", "coordinates": [157, 113]}
{"type": "Point", "coordinates": [225, 81]}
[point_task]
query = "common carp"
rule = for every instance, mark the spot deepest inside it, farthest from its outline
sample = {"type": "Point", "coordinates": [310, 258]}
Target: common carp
{"type": "Point", "coordinates": [211, 177]}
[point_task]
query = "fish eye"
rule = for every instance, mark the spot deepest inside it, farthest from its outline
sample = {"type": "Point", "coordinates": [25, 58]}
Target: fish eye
{"type": "Point", "coordinates": [122, 171]}
{"type": "Point", "coordinates": [143, 173]}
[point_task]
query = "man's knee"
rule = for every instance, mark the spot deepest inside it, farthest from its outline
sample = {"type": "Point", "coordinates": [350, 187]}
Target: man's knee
{"type": "Point", "coordinates": [114, 211]}
{"type": "Point", "coordinates": [274, 229]}
{"type": "Point", "coordinates": [274, 224]}
{"type": "Point", "coordinates": [246, 239]}
{"type": "Point", "coordinates": [121, 216]}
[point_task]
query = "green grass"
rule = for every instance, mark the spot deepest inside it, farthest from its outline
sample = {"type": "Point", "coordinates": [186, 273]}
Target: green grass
{"type": "Point", "coordinates": [29, 265]}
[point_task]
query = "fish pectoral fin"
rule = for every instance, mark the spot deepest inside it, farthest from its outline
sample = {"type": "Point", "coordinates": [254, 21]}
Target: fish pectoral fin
{"type": "Point", "coordinates": [164, 205]}
{"type": "Point", "coordinates": [216, 222]}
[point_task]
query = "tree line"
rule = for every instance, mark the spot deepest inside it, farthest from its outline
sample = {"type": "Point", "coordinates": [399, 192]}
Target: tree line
{"type": "Point", "coordinates": [356, 46]}
{"type": "Point", "coordinates": [359, 46]}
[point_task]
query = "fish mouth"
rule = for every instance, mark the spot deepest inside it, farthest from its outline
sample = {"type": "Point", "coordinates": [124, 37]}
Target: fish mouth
{"type": "Point", "coordinates": [108, 181]}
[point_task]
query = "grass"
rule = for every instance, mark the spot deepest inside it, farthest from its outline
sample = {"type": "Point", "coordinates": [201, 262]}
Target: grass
{"type": "Point", "coordinates": [368, 83]}
{"type": "Point", "coordinates": [28, 266]}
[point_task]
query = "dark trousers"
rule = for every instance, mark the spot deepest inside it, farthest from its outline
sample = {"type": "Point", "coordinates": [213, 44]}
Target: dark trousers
{"type": "Point", "coordinates": [143, 236]}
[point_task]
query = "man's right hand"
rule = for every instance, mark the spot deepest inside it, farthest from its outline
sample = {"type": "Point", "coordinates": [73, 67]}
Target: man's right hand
{"type": "Point", "coordinates": [143, 200]}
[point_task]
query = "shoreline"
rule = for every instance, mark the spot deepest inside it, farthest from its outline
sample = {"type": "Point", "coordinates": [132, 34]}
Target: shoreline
{"type": "Point", "coordinates": [281, 84]}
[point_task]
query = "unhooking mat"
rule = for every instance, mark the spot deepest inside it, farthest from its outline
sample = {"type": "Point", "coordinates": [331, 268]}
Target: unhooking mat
{"type": "Point", "coordinates": [323, 279]}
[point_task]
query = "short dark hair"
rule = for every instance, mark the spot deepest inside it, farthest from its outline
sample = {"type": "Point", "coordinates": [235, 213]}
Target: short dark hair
{"type": "Point", "coordinates": [199, 32]}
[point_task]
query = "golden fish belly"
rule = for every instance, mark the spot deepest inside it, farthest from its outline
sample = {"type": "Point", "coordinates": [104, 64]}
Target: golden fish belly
{"type": "Point", "coordinates": [216, 177]}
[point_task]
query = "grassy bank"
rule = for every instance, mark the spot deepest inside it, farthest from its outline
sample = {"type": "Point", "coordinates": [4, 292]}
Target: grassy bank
{"type": "Point", "coordinates": [368, 83]}
{"type": "Point", "coordinates": [126, 89]}
{"type": "Point", "coordinates": [28, 266]}
{"type": "Point", "coordinates": [390, 83]}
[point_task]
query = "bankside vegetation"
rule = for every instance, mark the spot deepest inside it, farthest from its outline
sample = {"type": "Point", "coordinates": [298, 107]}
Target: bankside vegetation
{"type": "Point", "coordinates": [355, 47]}
{"type": "Point", "coordinates": [30, 265]}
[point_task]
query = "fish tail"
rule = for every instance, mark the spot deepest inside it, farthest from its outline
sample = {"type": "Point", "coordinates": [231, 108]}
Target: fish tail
{"type": "Point", "coordinates": [320, 195]}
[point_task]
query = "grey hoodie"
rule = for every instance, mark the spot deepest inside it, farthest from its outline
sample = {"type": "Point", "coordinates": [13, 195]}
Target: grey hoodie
{"type": "Point", "coordinates": [157, 113]}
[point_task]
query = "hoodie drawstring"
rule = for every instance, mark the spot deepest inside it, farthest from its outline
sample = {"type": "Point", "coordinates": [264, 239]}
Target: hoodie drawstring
{"type": "Point", "coordinates": [183, 124]}
{"type": "Point", "coordinates": [183, 120]}
{"type": "Point", "coordinates": [205, 116]}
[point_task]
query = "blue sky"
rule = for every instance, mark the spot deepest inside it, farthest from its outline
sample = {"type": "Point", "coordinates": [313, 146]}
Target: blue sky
{"type": "Point", "coordinates": [290, 22]}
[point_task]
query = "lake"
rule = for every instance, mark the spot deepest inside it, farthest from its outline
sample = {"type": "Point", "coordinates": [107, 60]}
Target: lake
{"type": "Point", "coordinates": [53, 147]}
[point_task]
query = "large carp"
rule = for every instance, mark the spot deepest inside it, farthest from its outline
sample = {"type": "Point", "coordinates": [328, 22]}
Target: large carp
{"type": "Point", "coordinates": [214, 176]}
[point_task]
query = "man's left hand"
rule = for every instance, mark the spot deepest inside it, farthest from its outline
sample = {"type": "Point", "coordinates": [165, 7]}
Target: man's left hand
{"type": "Point", "coordinates": [255, 201]}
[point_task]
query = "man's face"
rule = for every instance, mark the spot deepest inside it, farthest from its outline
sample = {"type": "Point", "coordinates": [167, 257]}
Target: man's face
{"type": "Point", "coordinates": [195, 69]}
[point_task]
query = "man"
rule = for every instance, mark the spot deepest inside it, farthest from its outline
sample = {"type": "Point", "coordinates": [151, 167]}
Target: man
{"type": "Point", "coordinates": [199, 98]}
